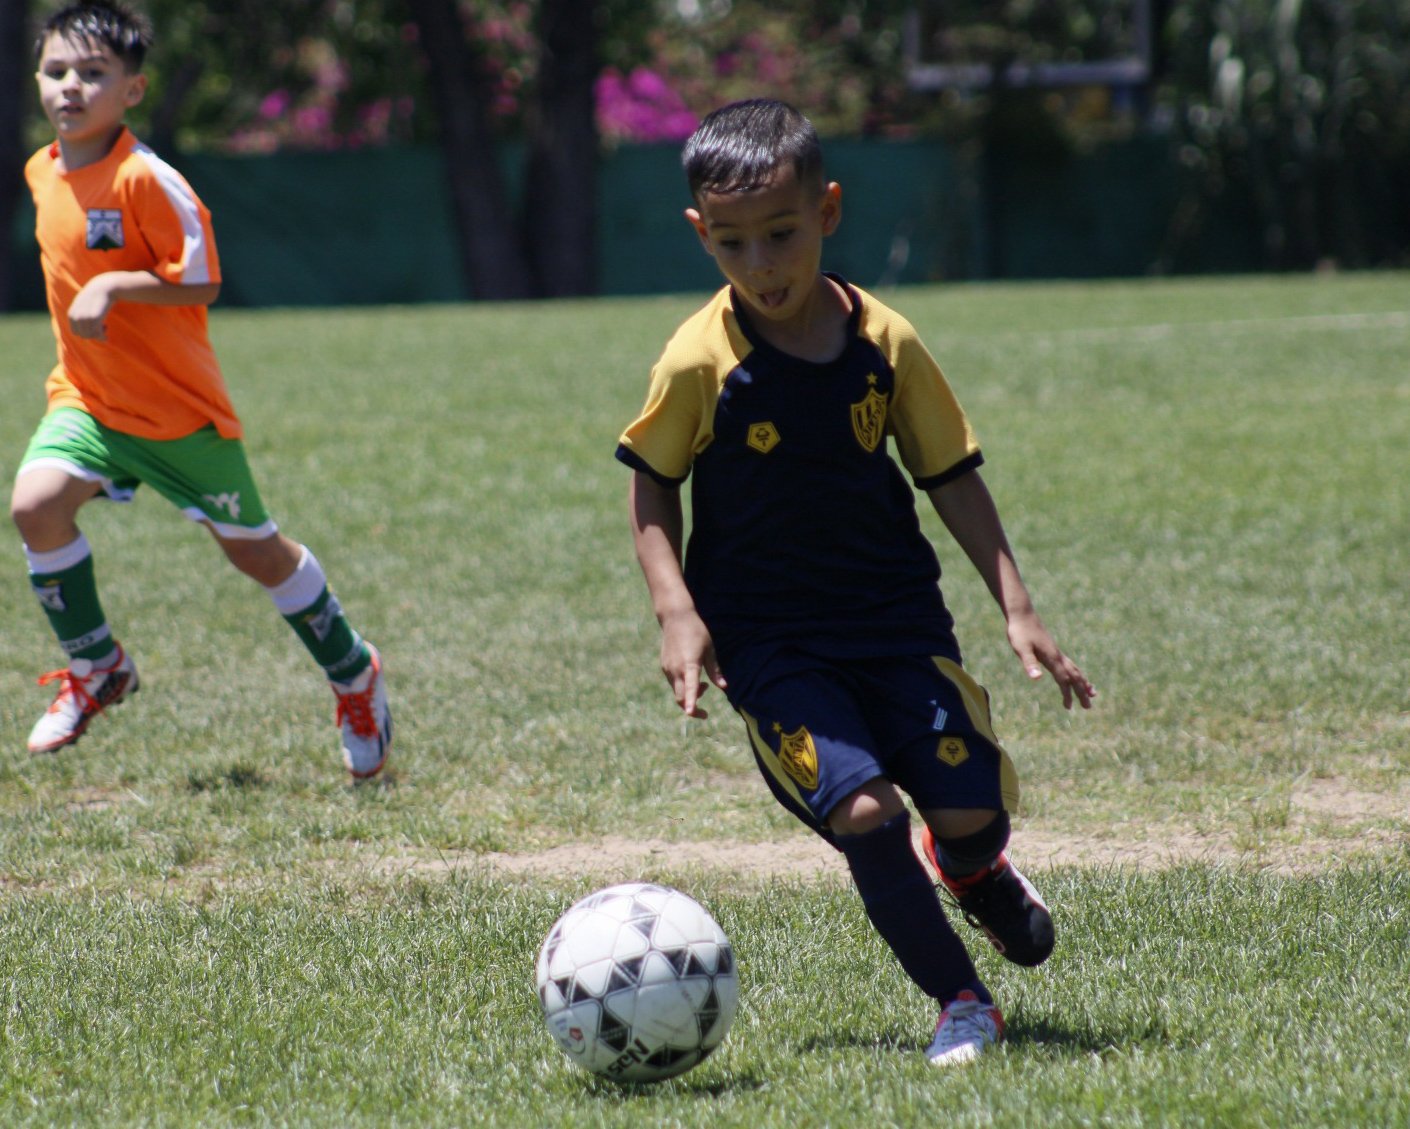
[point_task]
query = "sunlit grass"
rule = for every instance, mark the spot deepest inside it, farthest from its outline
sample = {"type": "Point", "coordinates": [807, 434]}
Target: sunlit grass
{"type": "Point", "coordinates": [1203, 482]}
{"type": "Point", "coordinates": [1178, 998]}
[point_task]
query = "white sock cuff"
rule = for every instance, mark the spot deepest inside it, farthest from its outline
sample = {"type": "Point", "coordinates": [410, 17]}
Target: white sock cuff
{"type": "Point", "coordinates": [57, 560]}
{"type": "Point", "coordinates": [302, 588]}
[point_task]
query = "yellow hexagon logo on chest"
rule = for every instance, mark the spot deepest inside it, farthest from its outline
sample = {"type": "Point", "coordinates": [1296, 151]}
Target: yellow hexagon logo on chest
{"type": "Point", "coordinates": [763, 437]}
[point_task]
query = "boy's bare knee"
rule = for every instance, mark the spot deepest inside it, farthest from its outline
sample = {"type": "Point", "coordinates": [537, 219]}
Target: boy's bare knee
{"type": "Point", "coordinates": [268, 561]}
{"type": "Point", "coordinates": [44, 512]}
{"type": "Point", "coordinates": [22, 513]}
{"type": "Point", "coordinates": [43, 530]}
{"type": "Point", "coordinates": [866, 809]}
{"type": "Point", "coordinates": [956, 823]}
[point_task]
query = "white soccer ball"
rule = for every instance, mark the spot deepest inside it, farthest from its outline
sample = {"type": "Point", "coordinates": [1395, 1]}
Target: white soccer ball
{"type": "Point", "coordinates": [637, 982]}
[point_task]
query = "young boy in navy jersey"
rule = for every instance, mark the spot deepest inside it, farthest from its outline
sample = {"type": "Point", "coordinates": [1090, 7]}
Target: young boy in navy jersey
{"type": "Point", "coordinates": [808, 593]}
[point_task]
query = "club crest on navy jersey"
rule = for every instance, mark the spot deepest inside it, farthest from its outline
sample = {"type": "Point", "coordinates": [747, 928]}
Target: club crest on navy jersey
{"type": "Point", "coordinates": [104, 229]}
{"type": "Point", "coordinates": [869, 416]}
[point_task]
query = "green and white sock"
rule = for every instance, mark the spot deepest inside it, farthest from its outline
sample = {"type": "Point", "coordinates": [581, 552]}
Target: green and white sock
{"type": "Point", "coordinates": [309, 606]}
{"type": "Point", "coordinates": [66, 588]}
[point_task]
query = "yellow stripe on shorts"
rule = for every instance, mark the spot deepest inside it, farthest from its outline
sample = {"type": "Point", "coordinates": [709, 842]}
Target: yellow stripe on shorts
{"type": "Point", "coordinates": [976, 704]}
{"type": "Point", "coordinates": [770, 760]}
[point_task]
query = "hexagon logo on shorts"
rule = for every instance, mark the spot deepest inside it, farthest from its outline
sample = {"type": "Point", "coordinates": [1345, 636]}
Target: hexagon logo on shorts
{"type": "Point", "coordinates": [953, 751]}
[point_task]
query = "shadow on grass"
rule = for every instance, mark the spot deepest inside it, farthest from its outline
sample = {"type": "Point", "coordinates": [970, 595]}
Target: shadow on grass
{"type": "Point", "coordinates": [859, 1041]}
{"type": "Point", "coordinates": [1061, 1040]}
{"type": "Point", "coordinates": [240, 777]}
{"type": "Point", "coordinates": [703, 1086]}
{"type": "Point", "coordinates": [384, 783]}
{"type": "Point", "coordinates": [1057, 1039]}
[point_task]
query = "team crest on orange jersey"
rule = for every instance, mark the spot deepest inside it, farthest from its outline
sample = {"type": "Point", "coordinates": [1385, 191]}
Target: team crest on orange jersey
{"type": "Point", "coordinates": [798, 755]}
{"type": "Point", "coordinates": [869, 417]}
{"type": "Point", "coordinates": [763, 437]}
{"type": "Point", "coordinates": [104, 229]}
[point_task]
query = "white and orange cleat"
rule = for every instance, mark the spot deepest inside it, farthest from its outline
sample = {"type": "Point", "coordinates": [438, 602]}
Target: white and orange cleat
{"type": "Point", "coordinates": [365, 719]}
{"type": "Point", "coordinates": [83, 694]}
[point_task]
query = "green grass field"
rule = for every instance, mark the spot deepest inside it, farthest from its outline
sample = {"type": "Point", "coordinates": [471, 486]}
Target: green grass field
{"type": "Point", "coordinates": [202, 922]}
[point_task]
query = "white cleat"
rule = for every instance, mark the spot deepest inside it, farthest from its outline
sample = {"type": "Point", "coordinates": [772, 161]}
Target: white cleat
{"type": "Point", "coordinates": [83, 694]}
{"type": "Point", "coordinates": [365, 719]}
{"type": "Point", "coordinates": [966, 1028]}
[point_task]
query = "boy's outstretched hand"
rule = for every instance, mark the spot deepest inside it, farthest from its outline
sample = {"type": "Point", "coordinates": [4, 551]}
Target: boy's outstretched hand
{"type": "Point", "coordinates": [688, 659]}
{"type": "Point", "coordinates": [1036, 650]}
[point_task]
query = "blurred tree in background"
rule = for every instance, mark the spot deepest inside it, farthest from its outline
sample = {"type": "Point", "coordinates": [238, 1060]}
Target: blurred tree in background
{"type": "Point", "coordinates": [16, 66]}
{"type": "Point", "coordinates": [1301, 106]}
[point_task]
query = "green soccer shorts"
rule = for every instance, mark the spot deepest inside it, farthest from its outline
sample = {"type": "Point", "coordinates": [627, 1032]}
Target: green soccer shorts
{"type": "Point", "coordinates": [208, 478]}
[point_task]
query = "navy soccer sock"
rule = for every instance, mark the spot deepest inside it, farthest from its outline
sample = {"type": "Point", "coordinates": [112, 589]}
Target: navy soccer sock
{"type": "Point", "coordinates": [902, 904]}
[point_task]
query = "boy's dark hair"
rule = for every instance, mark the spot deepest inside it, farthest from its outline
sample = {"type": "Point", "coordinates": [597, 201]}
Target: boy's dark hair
{"type": "Point", "coordinates": [126, 33]}
{"type": "Point", "coordinates": [740, 146]}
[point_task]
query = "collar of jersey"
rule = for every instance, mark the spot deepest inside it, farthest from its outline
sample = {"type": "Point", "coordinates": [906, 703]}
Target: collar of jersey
{"type": "Point", "coordinates": [854, 321]}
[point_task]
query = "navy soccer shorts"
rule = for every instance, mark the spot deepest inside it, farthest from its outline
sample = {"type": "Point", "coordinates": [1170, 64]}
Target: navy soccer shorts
{"type": "Point", "coordinates": [820, 728]}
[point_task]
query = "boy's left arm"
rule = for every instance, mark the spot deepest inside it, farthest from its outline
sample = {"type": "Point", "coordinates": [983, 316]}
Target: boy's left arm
{"type": "Point", "coordinates": [968, 511]}
{"type": "Point", "coordinates": [88, 312]}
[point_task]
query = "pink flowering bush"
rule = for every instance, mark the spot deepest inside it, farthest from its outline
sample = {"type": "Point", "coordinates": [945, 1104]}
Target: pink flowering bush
{"type": "Point", "coordinates": [353, 72]}
{"type": "Point", "coordinates": [641, 107]}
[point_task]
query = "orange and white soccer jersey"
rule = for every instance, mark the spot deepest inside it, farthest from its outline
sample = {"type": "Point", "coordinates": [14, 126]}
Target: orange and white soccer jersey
{"type": "Point", "coordinates": [156, 375]}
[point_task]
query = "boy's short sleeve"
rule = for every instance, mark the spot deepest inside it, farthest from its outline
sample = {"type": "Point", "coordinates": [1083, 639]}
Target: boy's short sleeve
{"type": "Point", "coordinates": [933, 436]}
{"type": "Point", "coordinates": [678, 420]}
{"type": "Point", "coordinates": [673, 427]}
{"type": "Point", "coordinates": [175, 225]}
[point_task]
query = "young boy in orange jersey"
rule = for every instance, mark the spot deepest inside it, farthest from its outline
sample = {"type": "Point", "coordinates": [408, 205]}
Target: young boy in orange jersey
{"type": "Point", "coordinates": [808, 592]}
{"type": "Point", "coordinates": [137, 395]}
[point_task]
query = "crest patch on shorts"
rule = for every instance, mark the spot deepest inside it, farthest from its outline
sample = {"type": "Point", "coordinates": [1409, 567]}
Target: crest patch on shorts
{"type": "Point", "coordinates": [799, 756]}
{"type": "Point", "coordinates": [104, 229]}
{"type": "Point", "coordinates": [953, 751]}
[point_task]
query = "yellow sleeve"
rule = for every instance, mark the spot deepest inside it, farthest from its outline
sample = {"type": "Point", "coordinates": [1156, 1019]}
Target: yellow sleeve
{"type": "Point", "coordinates": [933, 437]}
{"type": "Point", "coordinates": [678, 420]}
{"type": "Point", "coordinates": [674, 426]}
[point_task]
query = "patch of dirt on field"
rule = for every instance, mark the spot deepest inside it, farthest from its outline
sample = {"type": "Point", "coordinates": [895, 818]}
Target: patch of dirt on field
{"type": "Point", "coordinates": [1326, 823]}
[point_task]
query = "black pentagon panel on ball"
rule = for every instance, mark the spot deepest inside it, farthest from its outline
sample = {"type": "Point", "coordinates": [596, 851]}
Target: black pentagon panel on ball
{"type": "Point", "coordinates": [621, 978]}
{"type": "Point", "coordinates": [673, 1059]}
{"type": "Point", "coordinates": [678, 959]}
{"type": "Point", "coordinates": [708, 1013]}
{"type": "Point", "coordinates": [613, 1032]}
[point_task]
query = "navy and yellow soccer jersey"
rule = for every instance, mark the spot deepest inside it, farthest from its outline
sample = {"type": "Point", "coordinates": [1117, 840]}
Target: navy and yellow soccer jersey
{"type": "Point", "coordinates": [802, 526]}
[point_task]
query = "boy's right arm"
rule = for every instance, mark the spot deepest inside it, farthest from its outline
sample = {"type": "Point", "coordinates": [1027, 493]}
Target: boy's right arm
{"type": "Point", "coordinates": [687, 652]}
{"type": "Point", "coordinates": [88, 312]}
